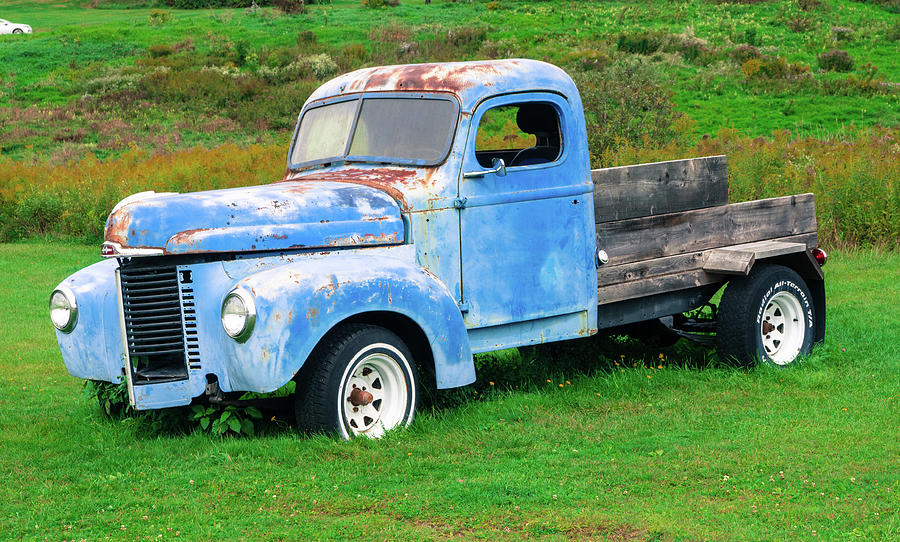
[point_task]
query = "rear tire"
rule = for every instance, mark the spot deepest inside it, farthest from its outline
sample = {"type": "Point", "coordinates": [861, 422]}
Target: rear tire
{"type": "Point", "coordinates": [361, 381]}
{"type": "Point", "coordinates": [768, 315]}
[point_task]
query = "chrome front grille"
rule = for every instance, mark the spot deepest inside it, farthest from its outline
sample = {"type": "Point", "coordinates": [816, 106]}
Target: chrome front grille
{"type": "Point", "coordinates": [154, 327]}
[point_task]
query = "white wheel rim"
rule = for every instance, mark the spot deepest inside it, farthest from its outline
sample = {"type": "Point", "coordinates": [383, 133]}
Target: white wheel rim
{"type": "Point", "coordinates": [381, 376]}
{"type": "Point", "coordinates": [782, 329]}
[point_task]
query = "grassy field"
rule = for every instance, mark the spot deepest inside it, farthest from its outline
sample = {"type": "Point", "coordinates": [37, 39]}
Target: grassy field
{"type": "Point", "coordinates": [602, 440]}
{"type": "Point", "coordinates": [102, 103]}
{"type": "Point", "coordinates": [99, 80]}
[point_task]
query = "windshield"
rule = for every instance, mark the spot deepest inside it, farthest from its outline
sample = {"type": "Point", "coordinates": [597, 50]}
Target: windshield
{"type": "Point", "coordinates": [415, 130]}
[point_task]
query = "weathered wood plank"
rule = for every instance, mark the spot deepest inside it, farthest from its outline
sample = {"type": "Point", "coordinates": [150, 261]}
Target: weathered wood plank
{"type": "Point", "coordinates": [764, 249]}
{"type": "Point", "coordinates": [659, 188]}
{"type": "Point", "coordinates": [636, 279]}
{"type": "Point", "coordinates": [655, 285]}
{"type": "Point", "coordinates": [612, 273]}
{"type": "Point", "coordinates": [609, 274]}
{"type": "Point", "coordinates": [729, 262]}
{"type": "Point", "coordinates": [646, 238]}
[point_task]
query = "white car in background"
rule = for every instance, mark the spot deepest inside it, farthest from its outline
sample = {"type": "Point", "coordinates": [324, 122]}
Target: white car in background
{"type": "Point", "coordinates": [7, 27]}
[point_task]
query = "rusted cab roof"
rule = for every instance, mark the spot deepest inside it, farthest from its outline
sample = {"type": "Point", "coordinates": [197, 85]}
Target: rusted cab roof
{"type": "Point", "coordinates": [470, 81]}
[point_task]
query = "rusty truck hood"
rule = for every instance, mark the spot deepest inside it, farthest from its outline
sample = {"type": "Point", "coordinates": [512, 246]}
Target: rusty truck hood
{"type": "Point", "coordinates": [279, 216]}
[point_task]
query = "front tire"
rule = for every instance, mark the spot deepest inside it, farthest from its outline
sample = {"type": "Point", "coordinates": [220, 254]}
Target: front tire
{"type": "Point", "coordinates": [768, 315]}
{"type": "Point", "coordinates": [17, 31]}
{"type": "Point", "coordinates": [361, 381]}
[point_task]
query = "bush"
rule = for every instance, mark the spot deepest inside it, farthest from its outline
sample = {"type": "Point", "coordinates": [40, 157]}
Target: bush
{"type": "Point", "coordinates": [204, 4]}
{"type": "Point", "coordinates": [742, 53]}
{"type": "Point", "coordinates": [641, 43]}
{"type": "Point", "coordinates": [587, 59]}
{"type": "Point", "coordinates": [799, 23]}
{"type": "Point", "coordinates": [160, 50]}
{"type": "Point", "coordinates": [626, 102]}
{"type": "Point", "coordinates": [376, 4]}
{"type": "Point", "coordinates": [158, 17]}
{"type": "Point", "coordinates": [893, 33]}
{"type": "Point", "coordinates": [291, 7]}
{"type": "Point", "coordinates": [306, 37]}
{"type": "Point", "coordinates": [835, 60]}
{"type": "Point", "coordinates": [842, 33]}
{"type": "Point", "coordinates": [767, 68]}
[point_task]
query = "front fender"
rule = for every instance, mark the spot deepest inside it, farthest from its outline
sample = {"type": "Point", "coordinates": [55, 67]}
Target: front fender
{"type": "Point", "coordinates": [297, 303]}
{"type": "Point", "coordinates": [94, 348]}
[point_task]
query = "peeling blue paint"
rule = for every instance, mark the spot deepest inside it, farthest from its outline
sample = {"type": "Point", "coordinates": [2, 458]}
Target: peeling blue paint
{"type": "Point", "coordinates": [260, 218]}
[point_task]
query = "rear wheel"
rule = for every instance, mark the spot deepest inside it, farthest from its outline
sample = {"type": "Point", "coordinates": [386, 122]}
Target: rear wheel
{"type": "Point", "coordinates": [360, 382]}
{"type": "Point", "coordinates": [768, 315]}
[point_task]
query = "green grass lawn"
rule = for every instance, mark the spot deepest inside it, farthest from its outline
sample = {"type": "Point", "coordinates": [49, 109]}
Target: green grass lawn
{"type": "Point", "coordinates": [690, 451]}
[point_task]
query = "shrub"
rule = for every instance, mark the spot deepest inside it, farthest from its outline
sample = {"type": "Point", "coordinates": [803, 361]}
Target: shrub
{"type": "Point", "coordinates": [160, 50]}
{"type": "Point", "coordinates": [306, 37]}
{"type": "Point", "coordinates": [641, 43]}
{"type": "Point", "coordinates": [626, 102]}
{"type": "Point", "coordinates": [842, 33]}
{"type": "Point", "coordinates": [204, 4]}
{"type": "Point", "coordinates": [751, 36]}
{"type": "Point", "coordinates": [111, 83]}
{"type": "Point", "coordinates": [587, 59]}
{"type": "Point", "coordinates": [376, 4]}
{"type": "Point", "coordinates": [291, 7]}
{"type": "Point", "coordinates": [869, 83]}
{"type": "Point", "coordinates": [222, 420]}
{"type": "Point", "coordinates": [742, 53]}
{"type": "Point", "coordinates": [158, 17]}
{"type": "Point", "coordinates": [835, 60]}
{"type": "Point", "coordinates": [356, 51]}
{"type": "Point", "coordinates": [799, 23]}
{"type": "Point", "coordinates": [773, 68]}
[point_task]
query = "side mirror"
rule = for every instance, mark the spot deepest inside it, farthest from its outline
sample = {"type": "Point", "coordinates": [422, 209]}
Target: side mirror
{"type": "Point", "coordinates": [499, 167]}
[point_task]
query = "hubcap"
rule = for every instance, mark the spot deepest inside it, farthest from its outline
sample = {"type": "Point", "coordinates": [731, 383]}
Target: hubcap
{"type": "Point", "coordinates": [782, 328]}
{"type": "Point", "coordinates": [375, 396]}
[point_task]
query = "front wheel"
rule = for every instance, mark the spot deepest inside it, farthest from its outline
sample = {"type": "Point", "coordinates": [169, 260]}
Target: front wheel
{"type": "Point", "coordinates": [17, 31]}
{"type": "Point", "coordinates": [360, 382]}
{"type": "Point", "coordinates": [768, 316]}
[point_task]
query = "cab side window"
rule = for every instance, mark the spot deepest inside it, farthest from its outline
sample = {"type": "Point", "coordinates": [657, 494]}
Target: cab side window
{"type": "Point", "coordinates": [522, 134]}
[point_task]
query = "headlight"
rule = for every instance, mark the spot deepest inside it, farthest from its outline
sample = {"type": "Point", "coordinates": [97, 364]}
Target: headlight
{"type": "Point", "coordinates": [238, 314]}
{"type": "Point", "coordinates": [63, 310]}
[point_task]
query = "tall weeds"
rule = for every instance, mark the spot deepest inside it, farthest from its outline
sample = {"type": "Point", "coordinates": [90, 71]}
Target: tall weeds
{"type": "Point", "coordinates": [73, 200]}
{"type": "Point", "coordinates": [856, 180]}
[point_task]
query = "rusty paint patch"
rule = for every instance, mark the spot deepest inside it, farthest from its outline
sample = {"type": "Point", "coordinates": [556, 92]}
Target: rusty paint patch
{"type": "Point", "coordinates": [117, 226]}
{"type": "Point", "coordinates": [392, 181]}
{"type": "Point", "coordinates": [187, 238]}
{"type": "Point", "coordinates": [367, 239]}
{"type": "Point", "coordinates": [439, 77]}
{"type": "Point", "coordinates": [312, 313]}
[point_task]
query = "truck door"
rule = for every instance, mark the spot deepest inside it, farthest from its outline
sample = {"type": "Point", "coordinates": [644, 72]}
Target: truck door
{"type": "Point", "coordinates": [525, 232]}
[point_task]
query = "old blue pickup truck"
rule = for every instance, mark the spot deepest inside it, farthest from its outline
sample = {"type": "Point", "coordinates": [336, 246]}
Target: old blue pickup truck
{"type": "Point", "coordinates": [429, 212]}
